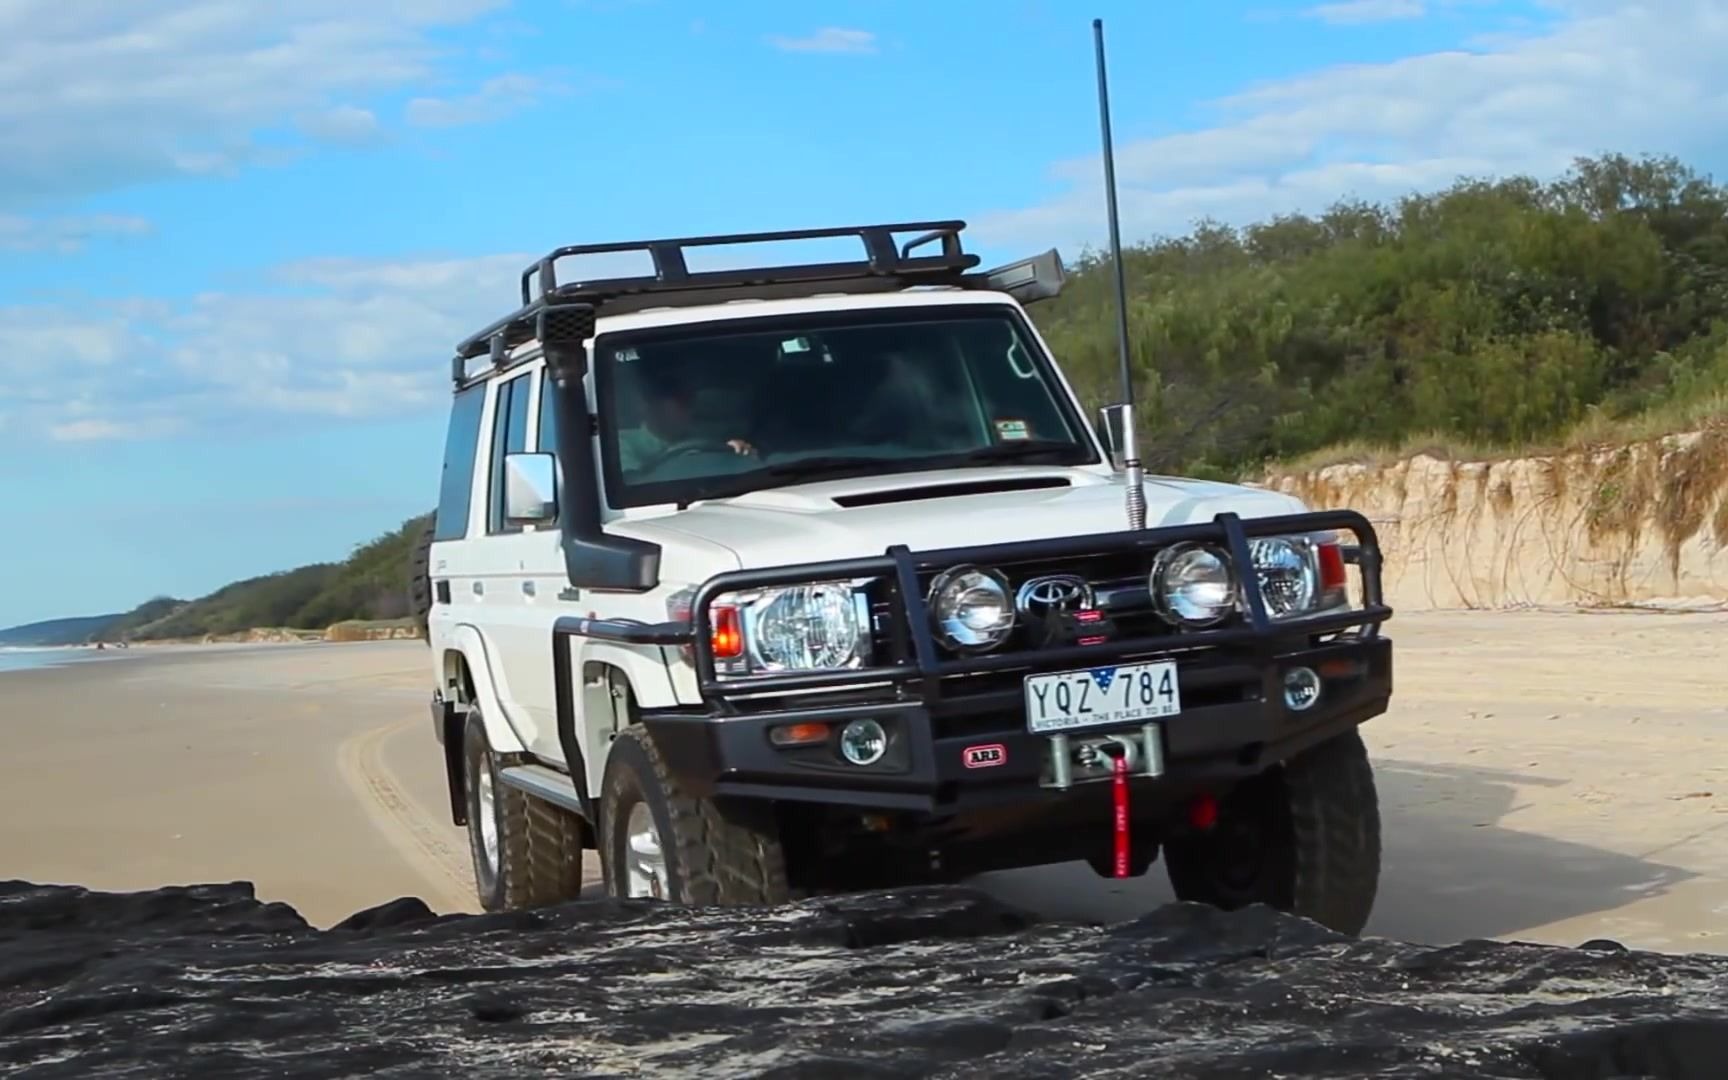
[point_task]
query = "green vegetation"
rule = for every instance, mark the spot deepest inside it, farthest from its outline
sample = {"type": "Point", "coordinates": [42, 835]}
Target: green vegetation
{"type": "Point", "coordinates": [1494, 315]}
{"type": "Point", "coordinates": [72, 631]}
{"type": "Point", "coordinates": [127, 626]}
{"type": "Point", "coordinates": [370, 586]}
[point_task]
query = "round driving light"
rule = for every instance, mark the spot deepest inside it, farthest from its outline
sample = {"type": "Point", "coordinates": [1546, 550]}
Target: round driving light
{"type": "Point", "coordinates": [863, 742]}
{"type": "Point", "coordinates": [1301, 688]}
{"type": "Point", "coordinates": [1192, 584]}
{"type": "Point", "coordinates": [971, 608]}
{"type": "Point", "coordinates": [1289, 579]}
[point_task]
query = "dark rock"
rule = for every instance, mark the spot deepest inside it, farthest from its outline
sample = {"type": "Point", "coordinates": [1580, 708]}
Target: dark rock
{"type": "Point", "coordinates": [1602, 945]}
{"type": "Point", "coordinates": [908, 983]}
{"type": "Point", "coordinates": [496, 1008]}
{"type": "Point", "coordinates": [405, 911]}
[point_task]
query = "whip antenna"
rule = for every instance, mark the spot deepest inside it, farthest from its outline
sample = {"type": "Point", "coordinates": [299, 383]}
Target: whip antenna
{"type": "Point", "coordinates": [1120, 419]}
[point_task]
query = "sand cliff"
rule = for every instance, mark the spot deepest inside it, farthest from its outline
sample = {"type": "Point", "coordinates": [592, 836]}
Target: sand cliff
{"type": "Point", "coordinates": [1641, 524]}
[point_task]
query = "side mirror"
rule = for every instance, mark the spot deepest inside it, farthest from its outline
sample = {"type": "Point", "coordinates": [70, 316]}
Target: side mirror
{"type": "Point", "coordinates": [530, 489]}
{"type": "Point", "coordinates": [1117, 430]}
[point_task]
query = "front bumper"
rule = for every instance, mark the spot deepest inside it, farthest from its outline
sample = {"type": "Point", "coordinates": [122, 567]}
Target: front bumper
{"type": "Point", "coordinates": [957, 732]}
{"type": "Point", "coordinates": [1243, 727]}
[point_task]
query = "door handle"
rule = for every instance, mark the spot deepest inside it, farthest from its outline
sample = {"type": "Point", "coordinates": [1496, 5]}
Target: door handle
{"type": "Point", "coordinates": [479, 588]}
{"type": "Point", "coordinates": [527, 588]}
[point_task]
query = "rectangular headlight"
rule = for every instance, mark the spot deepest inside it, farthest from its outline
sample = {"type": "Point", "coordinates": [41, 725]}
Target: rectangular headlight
{"type": "Point", "coordinates": [819, 626]}
{"type": "Point", "coordinates": [1299, 575]}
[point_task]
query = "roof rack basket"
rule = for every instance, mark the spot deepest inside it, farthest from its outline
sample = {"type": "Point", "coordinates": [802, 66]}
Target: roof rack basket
{"type": "Point", "coordinates": [885, 267]}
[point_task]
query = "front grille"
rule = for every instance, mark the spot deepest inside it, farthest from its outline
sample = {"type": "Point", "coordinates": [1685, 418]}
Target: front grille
{"type": "Point", "coordinates": [977, 702]}
{"type": "Point", "coordinates": [1119, 582]}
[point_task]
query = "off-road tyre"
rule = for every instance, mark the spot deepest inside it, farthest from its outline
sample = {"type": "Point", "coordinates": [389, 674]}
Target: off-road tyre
{"type": "Point", "coordinates": [420, 581]}
{"type": "Point", "coordinates": [715, 856]}
{"type": "Point", "coordinates": [1315, 821]}
{"type": "Point", "coordinates": [539, 844]}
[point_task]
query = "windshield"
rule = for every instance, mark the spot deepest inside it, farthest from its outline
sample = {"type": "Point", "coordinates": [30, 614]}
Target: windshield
{"type": "Point", "coordinates": [711, 410]}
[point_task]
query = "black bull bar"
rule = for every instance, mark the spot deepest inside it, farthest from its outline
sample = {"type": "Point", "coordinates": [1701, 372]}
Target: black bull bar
{"type": "Point", "coordinates": [916, 664]}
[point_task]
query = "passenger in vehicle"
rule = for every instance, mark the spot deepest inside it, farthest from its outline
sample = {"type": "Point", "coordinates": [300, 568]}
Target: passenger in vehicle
{"type": "Point", "coordinates": [668, 426]}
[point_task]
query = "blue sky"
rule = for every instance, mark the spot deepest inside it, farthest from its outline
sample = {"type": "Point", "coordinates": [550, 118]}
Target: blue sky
{"type": "Point", "coordinates": [238, 239]}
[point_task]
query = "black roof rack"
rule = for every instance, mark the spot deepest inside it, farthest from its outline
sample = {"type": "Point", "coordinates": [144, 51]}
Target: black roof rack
{"type": "Point", "coordinates": [884, 268]}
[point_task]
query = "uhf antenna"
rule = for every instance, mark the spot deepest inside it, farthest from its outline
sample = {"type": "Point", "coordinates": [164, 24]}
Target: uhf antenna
{"type": "Point", "coordinates": [1128, 443]}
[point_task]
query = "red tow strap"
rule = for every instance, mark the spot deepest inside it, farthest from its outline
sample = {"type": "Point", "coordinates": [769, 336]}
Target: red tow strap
{"type": "Point", "coordinates": [1121, 785]}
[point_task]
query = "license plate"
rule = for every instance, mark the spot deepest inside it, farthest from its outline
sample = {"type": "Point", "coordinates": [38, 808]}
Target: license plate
{"type": "Point", "coordinates": [1102, 697]}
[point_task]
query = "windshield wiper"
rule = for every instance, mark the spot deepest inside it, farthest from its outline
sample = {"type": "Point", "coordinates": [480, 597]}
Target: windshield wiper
{"type": "Point", "coordinates": [776, 475]}
{"type": "Point", "coordinates": [1021, 450]}
{"type": "Point", "coordinates": [824, 466]}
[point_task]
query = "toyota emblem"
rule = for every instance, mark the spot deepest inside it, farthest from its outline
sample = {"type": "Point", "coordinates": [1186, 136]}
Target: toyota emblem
{"type": "Point", "coordinates": [1043, 597]}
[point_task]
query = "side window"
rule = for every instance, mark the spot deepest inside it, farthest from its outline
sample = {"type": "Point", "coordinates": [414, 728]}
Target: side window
{"type": "Point", "coordinates": [509, 436]}
{"type": "Point", "coordinates": [548, 441]}
{"type": "Point", "coordinates": [461, 449]}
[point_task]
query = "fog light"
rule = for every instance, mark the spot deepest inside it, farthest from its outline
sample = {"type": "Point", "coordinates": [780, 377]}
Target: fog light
{"type": "Point", "coordinates": [1301, 688]}
{"type": "Point", "coordinates": [863, 742]}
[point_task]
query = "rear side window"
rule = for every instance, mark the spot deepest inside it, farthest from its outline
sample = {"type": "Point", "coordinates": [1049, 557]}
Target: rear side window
{"type": "Point", "coordinates": [548, 414]}
{"type": "Point", "coordinates": [461, 446]}
{"type": "Point", "coordinates": [509, 436]}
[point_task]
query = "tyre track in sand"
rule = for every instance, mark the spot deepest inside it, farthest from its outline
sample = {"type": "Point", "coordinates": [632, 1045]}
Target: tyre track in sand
{"type": "Point", "coordinates": [444, 866]}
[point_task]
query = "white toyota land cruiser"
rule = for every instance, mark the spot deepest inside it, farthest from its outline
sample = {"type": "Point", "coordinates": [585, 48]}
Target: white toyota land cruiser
{"type": "Point", "coordinates": [771, 581]}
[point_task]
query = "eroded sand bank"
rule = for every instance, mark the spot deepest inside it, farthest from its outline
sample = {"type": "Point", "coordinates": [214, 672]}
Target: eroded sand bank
{"type": "Point", "coordinates": [1641, 524]}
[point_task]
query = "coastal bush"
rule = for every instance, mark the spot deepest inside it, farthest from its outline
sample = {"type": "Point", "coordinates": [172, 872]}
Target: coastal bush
{"type": "Point", "coordinates": [1501, 312]}
{"type": "Point", "coordinates": [370, 585]}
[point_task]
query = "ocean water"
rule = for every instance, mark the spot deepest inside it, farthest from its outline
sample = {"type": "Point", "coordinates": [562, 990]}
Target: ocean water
{"type": "Point", "coordinates": [24, 659]}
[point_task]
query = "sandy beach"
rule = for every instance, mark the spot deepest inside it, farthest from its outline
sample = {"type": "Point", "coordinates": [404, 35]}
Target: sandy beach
{"type": "Point", "coordinates": [1547, 777]}
{"type": "Point", "coordinates": [308, 769]}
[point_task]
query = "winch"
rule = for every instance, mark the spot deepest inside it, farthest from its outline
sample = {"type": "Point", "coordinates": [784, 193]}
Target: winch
{"type": "Point", "coordinates": [1076, 759]}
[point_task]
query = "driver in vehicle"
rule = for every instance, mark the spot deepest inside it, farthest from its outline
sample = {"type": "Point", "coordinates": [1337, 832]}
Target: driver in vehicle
{"type": "Point", "coordinates": [668, 425]}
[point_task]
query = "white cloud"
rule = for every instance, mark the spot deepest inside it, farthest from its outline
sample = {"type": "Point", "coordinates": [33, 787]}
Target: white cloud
{"type": "Point", "coordinates": [494, 100]}
{"type": "Point", "coordinates": [344, 125]}
{"type": "Point", "coordinates": [109, 430]}
{"type": "Point", "coordinates": [65, 235]}
{"type": "Point", "coordinates": [1356, 12]}
{"type": "Point", "coordinates": [829, 39]}
{"type": "Point", "coordinates": [1606, 76]}
{"type": "Point", "coordinates": [94, 96]}
{"type": "Point", "coordinates": [337, 337]}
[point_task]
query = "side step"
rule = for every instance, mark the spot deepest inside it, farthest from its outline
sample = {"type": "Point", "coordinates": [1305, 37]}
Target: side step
{"type": "Point", "coordinates": [544, 783]}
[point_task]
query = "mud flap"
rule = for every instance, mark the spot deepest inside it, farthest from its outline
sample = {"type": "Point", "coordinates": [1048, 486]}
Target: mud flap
{"type": "Point", "coordinates": [447, 723]}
